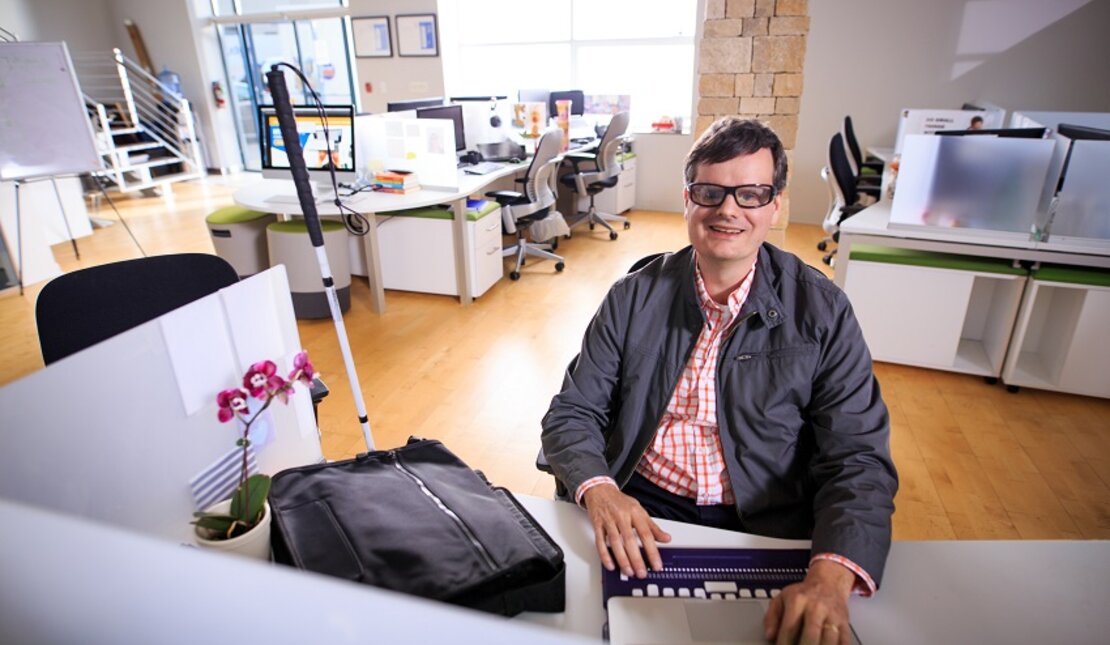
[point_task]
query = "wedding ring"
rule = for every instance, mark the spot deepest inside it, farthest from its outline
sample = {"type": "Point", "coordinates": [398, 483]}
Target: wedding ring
{"type": "Point", "coordinates": [831, 626]}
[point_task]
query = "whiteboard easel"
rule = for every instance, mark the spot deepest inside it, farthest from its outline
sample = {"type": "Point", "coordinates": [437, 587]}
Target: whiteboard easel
{"type": "Point", "coordinates": [43, 125]}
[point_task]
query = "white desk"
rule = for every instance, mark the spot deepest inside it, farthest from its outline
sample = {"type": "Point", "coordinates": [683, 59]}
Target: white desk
{"type": "Point", "coordinates": [259, 196]}
{"type": "Point", "coordinates": [882, 154]}
{"type": "Point", "coordinates": [870, 226]}
{"type": "Point", "coordinates": [933, 592]}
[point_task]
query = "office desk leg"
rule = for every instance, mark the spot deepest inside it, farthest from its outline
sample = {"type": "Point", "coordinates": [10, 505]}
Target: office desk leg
{"type": "Point", "coordinates": [374, 266]}
{"type": "Point", "coordinates": [462, 243]}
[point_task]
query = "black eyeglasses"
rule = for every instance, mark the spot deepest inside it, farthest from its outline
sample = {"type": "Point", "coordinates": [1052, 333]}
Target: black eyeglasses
{"type": "Point", "coordinates": [746, 196]}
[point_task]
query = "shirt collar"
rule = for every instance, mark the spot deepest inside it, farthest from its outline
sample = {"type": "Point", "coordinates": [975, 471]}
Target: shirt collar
{"type": "Point", "coordinates": [735, 299]}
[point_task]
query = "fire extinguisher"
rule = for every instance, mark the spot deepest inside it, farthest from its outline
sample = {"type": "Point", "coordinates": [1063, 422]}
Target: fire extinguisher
{"type": "Point", "coordinates": [218, 94]}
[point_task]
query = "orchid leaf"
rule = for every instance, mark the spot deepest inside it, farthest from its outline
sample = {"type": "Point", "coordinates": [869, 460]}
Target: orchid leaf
{"type": "Point", "coordinates": [246, 505]}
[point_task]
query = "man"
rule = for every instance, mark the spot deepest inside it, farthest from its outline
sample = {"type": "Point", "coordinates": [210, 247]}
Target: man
{"type": "Point", "coordinates": [976, 123]}
{"type": "Point", "coordinates": [728, 384]}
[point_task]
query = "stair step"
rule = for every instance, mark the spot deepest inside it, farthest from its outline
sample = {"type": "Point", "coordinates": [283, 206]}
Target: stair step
{"type": "Point", "coordinates": [161, 180]}
{"type": "Point", "coordinates": [161, 161]}
{"type": "Point", "coordinates": [121, 131]}
{"type": "Point", "coordinates": [135, 147]}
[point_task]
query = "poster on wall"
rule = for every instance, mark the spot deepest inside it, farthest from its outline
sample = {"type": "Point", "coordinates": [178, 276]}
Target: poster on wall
{"type": "Point", "coordinates": [417, 35]}
{"type": "Point", "coordinates": [932, 121]}
{"type": "Point", "coordinates": [372, 37]}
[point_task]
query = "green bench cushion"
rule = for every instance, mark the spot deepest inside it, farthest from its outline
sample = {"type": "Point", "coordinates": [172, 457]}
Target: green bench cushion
{"type": "Point", "coordinates": [233, 215]}
{"type": "Point", "coordinates": [442, 212]}
{"type": "Point", "coordinates": [868, 253]}
{"type": "Point", "coordinates": [299, 226]}
{"type": "Point", "coordinates": [1073, 275]}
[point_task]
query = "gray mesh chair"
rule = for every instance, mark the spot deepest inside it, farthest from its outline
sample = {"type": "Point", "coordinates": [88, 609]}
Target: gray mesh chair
{"type": "Point", "coordinates": [520, 210]}
{"type": "Point", "coordinates": [594, 172]}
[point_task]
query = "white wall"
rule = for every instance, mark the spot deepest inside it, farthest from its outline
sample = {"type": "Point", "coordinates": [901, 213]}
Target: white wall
{"type": "Point", "coordinates": [396, 78]}
{"type": "Point", "coordinates": [83, 25]}
{"type": "Point", "coordinates": [871, 59]}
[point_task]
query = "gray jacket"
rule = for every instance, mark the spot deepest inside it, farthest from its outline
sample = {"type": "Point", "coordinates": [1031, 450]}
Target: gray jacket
{"type": "Point", "coordinates": [803, 427]}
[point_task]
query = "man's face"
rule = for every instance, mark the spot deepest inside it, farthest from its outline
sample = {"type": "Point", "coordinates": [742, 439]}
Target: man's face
{"type": "Point", "coordinates": [727, 235]}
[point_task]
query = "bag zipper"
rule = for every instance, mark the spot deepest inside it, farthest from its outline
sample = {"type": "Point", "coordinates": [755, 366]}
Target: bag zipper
{"type": "Point", "coordinates": [447, 511]}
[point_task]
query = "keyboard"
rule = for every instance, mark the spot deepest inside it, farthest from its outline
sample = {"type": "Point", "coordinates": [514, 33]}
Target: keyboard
{"type": "Point", "coordinates": [483, 168]}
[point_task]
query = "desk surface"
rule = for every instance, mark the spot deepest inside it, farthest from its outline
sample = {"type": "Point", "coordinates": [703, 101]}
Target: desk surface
{"type": "Point", "coordinates": [933, 592]}
{"type": "Point", "coordinates": [259, 196]}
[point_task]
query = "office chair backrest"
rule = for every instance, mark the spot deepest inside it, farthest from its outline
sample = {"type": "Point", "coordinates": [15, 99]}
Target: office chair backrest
{"type": "Point", "coordinates": [842, 170]}
{"type": "Point", "coordinates": [856, 158]}
{"type": "Point", "coordinates": [82, 308]}
{"type": "Point", "coordinates": [610, 145]}
{"type": "Point", "coordinates": [539, 183]}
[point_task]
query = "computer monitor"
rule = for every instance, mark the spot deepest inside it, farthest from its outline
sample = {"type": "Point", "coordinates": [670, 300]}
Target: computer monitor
{"type": "Point", "coordinates": [314, 145]}
{"type": "Point", "coordinates": [577, 100]}
{"type": "Point", "coordinates": [413, 104]}
{"type": "Point", "coordinates": [1012, 133]}
{"type": "Point", "coordinates": [453, 112]}
{"type": "Point", "coordinates": [533, 96]}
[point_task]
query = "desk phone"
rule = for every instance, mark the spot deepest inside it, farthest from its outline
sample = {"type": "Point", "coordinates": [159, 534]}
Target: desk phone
{"type": "Point", "coordinates": [712, 573]}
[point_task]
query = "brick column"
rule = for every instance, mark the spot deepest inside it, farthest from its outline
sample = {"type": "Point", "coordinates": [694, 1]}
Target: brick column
{"type": "Point", "coordinates": [752, 54]}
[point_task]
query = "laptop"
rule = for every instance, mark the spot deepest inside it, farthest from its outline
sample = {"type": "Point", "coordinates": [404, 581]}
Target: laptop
{"type": "Point", "coordinates": [688, 621]}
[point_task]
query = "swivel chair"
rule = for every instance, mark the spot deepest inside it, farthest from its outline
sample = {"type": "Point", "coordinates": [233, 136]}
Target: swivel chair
{"type": "Point", "coordinates": [561, 492]}
{"type": "Point", "coordinates": [845, 197]}
{"type": "Point", "coordinates": [520, 210]}
{"type": "Point", "coordinates": [82, 308]}
{"type": "Point", "coordinates": [603, 174]}
{"type": "Point", "coordinates": [860, 167]}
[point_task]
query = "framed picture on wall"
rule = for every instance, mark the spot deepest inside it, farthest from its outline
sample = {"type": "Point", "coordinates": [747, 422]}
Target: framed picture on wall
{"type": "Point", "coordinates": [372, 37]}
{"type": "Point", "coordinates": [417, 35]}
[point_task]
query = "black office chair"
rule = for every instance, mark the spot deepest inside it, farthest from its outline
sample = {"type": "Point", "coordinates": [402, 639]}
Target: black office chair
{"type": "Point", "coordinates": [845, 195]}
{"type": "Point", "coordinates": [871, 166]}
{"type": "Point", "coordinates": [594, 172]}
{"type": "Point", "coordinates": [519, 211]}
{"type": "Point", "coordinates": [85, 307]}
{"type": "Point", "coordinates": [542, 465]}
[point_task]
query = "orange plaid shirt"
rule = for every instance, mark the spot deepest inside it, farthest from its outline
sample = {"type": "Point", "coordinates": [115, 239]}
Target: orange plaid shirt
{"type": "Point", "coordinates": [686, 457]}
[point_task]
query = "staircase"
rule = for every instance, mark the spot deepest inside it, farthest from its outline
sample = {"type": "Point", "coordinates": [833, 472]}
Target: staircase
{"type": "Point", "coordinates": [144, 130]}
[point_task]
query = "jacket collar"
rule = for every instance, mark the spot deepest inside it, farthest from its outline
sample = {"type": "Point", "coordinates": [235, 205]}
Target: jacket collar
{"type": "Point", "coordinates": [763, 299]}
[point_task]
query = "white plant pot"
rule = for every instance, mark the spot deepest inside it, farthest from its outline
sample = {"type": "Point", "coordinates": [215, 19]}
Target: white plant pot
{"type": "Point", "coordinates": [255, 543]}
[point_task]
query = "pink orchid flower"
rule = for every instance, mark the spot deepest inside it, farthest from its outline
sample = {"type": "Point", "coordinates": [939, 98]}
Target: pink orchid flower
{"type": "Point", "coordinates": [303, 370]}
{"type": "Point", "coordinates": [231, 402]}
{"type": "Point", "coordinates": [262, 377]}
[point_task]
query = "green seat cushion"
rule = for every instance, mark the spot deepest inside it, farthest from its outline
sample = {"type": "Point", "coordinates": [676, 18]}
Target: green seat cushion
{"type": "Point", "coordinates": [443, 212]}
{"type": "Point", "coordinates": [1073, 275]}
{"type": "Point", "coordinates": [868, 253]}
{"type": "Point", "coordinates": [299, 226]}
{"type": "Point", "coordinates": [234, 215]}
{"type": "Point", "coordinates": [625, 156]}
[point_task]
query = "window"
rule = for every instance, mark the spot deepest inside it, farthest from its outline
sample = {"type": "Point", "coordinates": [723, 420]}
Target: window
{"type": "Point", "coordinates": [644, 48]}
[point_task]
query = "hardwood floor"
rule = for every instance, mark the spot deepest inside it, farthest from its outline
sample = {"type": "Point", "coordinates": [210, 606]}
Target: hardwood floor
{"type": "Point", "coordinates": [975, 461]}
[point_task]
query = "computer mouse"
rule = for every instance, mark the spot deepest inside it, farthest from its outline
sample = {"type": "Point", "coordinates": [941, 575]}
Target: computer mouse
{"type": "Point", "coordinates": [515, 160]}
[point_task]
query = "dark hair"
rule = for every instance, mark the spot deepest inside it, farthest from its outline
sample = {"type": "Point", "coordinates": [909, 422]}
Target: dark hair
{"type": "Point", "coordinates": [732, 137]}
{"type": "Point", "coordinates": [976, 118]}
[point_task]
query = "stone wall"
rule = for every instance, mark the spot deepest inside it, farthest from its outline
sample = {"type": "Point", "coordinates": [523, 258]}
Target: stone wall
{"type": "Point", "coordinates": [751, 58]}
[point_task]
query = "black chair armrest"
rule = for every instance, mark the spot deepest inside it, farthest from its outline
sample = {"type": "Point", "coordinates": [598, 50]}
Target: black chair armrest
{"type": "Point", "coordinates": [319, 391]}
{"type": "Point", "coordinates": [504, 197]}
{"type": "Point", "coordinates": [576, 158]}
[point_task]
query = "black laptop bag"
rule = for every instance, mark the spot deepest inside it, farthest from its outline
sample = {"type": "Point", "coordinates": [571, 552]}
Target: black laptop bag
{"type": "Point", "coordinates": [416, 519]}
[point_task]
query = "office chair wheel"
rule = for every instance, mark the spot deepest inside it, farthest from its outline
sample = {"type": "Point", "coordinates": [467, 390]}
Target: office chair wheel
{"type": "Point", "coordinates": [1013, 389]}
{"type": "Point", "coordinates": [990, 380]}
{"type": "Point", "coordinates": [612, 235]}
{"type": "Point", "coordinates": [822, 245]}
{"type": "Point", "coordinates": [559, 266]}
{"type": "Point", "coordinates": [514, 275]}
{"type": "Point", "coordinates": [627, 225]}
{"type": "Point", "coordinates": [827, 259]}
{"type": "Point", "coordinates": [591, 226]}
{"type": "Point", "coordinates": [554, 244]}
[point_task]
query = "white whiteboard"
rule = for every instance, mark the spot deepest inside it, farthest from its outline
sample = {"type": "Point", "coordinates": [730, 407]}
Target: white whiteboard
{"type": "Point", "coordinates": [43, 127]}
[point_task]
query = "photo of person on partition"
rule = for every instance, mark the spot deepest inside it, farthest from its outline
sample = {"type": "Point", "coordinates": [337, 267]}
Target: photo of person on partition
{"type": "Point", "coordinates": [728, 384]}
{"type": "Point", "coordinates": [976, 123]}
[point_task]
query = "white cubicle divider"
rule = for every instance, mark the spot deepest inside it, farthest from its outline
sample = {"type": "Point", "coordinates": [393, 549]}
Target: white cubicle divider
{"type": "Point", "coordinates": [982, 186]}
{"type": "Point", "coordinates": [1083, 206]}
{"type": "Point", "coordinates": [115, 432]}
{"type": "Point", "coordinates": [423, 146]}
{"type": "Point", "coordinates": [917, 121]}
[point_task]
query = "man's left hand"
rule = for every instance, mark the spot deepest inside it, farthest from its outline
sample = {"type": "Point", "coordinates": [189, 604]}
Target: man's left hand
{"type": "Point", "coordinates": [814, 611]}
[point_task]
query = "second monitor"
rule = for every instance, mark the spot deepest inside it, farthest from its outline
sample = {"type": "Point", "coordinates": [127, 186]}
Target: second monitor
{"type": "Point", "coordinates": [452, 112]}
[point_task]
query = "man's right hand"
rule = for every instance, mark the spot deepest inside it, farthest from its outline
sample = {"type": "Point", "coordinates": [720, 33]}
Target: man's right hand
{"type": "Point", "coordinates": [618, 521]}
